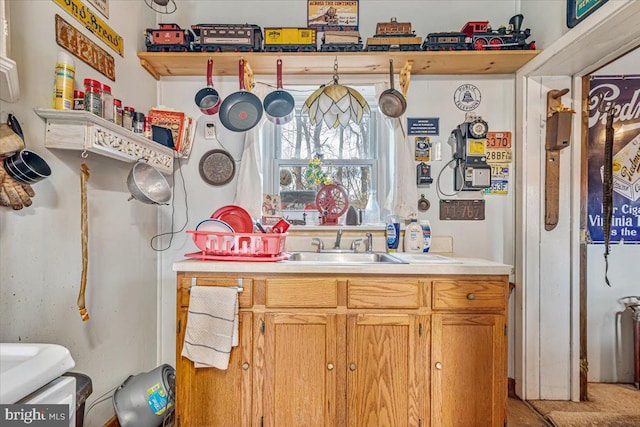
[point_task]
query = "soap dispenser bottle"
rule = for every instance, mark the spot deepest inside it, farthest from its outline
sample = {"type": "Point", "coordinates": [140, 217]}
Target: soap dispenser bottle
{"type": "Point", "coordinates": [413, 241]}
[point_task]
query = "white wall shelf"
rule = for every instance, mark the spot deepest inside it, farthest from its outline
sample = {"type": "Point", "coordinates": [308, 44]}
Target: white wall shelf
{"type": "Point", "coordinates": [82, 130]}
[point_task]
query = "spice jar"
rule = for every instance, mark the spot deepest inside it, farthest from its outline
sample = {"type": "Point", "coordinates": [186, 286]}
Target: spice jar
{"type": "Point", "coordinates": [147, 128]}
{"type": "Point", "coordinates": [138, 123]}
{"type": "Point", "coordinates": [78, 100]}
{"type": "Point", "coordinates": [107, 103]}
{"type": "Point", "coordinates": [93, 96]}
{"type": "Point", "coordinates": [127, 118]}
{"type": "Point", "coordinates": [117, 112]}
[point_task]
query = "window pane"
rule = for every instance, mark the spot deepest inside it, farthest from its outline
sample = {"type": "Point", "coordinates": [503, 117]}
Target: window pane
{"type": "Point", "coordinates": [301, 140]}
{"type": "Point", "coordinates": [298, 192]}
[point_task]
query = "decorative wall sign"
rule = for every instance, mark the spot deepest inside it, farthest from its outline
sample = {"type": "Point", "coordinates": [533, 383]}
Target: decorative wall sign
{"type": "Point", "coordinates": [423, 149]}
{"type": "Point", "coordinates": [93, 23]}
{"type": "Point", "coordinates": [462, 209]}
{"type": "Point", "coordinates": [68, 37]}
{"type": "Point", "coordinates": [577, 10]}
{"type": "Point", "coordinates": [102, 6]}
{"type": "Point", "coordinates": [423, 126]}
{"type": "Point", "coordinates": [467, 97]}
{"type": "Point", "coordinates": [332, 15]}
{"type": "Point", "coordinates": [624, 91]}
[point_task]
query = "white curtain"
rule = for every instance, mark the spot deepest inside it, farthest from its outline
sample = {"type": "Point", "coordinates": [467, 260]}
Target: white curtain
{"type": "Point", "coordinates": [249, 185]}
{"type": "Point", "coordinates": [401, 199]}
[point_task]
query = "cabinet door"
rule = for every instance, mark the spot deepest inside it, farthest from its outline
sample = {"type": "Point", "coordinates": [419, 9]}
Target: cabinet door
{"type": "Point", "coordinates": [468, 371]}
{"type": "Point", "coordinates": [300, 353]}
{"type": "Point", "coordinates": [386, 360]}
{"type": "Point", "coordinates": [207, 397]}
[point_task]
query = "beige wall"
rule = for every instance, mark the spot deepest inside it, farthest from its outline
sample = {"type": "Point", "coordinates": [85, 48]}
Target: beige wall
{"type": "Point", "coordinates": [40, 256]}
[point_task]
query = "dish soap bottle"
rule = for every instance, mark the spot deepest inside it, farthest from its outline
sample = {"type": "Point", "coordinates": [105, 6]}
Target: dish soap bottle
{"type": "Point", "coordinates": [426, 235]}
{"type": "Point", "coordinates": [413, 241]}
{"type": "Point", "coordinates": [393, 235]}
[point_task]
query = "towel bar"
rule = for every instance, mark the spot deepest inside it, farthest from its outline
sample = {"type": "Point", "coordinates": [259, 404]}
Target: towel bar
{"type": "Point", "coordinates": [194, 280]}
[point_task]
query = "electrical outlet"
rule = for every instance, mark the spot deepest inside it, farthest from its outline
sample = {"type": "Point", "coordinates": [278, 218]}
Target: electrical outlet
{"type": "Point", "coordinates": [209, 130]}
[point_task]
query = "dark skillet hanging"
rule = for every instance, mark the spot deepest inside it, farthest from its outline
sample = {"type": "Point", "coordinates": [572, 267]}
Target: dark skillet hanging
{"type": "Point", "coordinates": [241, 110]}
{"type": "Point", "coordinates": [207, 99]}
{"type": "Point", "coordinates": [279, 104]}
{"type": "Point", "coordinates": [391, 102]}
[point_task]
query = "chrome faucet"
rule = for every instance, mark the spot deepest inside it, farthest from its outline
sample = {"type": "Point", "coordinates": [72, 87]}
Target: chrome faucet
{"type": "Point", "coordinates": [338, 238]}
{"type": "Point", "coordinates": [369, 244]}
{"type": "Point", "coordinates": [317, 241]}
{"type": "Point", "coordinates": [355, 243]}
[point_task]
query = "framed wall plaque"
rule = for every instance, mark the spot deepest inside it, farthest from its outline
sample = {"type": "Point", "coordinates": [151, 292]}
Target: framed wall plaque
{"type": "Point", "coordinates": [577, 10]}
{"type": "Point", "coordinates": [333, 15]}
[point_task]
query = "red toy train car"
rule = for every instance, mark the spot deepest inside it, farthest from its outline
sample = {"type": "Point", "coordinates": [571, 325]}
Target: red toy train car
{"type": "Point", "coordinates": [168, 38]}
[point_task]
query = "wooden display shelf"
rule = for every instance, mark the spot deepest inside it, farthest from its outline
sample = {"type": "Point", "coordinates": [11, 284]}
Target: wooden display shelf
{"type": "Point", "coordinates": [294, 63]}
{"type": "Point", "coordinates": [82, 130]}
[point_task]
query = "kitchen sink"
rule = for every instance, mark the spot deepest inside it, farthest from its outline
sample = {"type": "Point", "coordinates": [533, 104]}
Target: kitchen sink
{"type": "Point", "coordinates": [26, 367]}
{"type": "Point", "coordinates": [345, 257]}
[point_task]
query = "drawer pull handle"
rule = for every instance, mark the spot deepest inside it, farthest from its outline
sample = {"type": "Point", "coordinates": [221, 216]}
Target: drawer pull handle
{"type": "Point", "coordinates": [471, 296]}
{"type": "Point", "coordinates": [352, 367]}
{"type": "Point", "coordinates": [245, 366]}
{"type": "Point", "coordinates": [330, 366]}
{"type": "Point", "coordinates": [438, 365]}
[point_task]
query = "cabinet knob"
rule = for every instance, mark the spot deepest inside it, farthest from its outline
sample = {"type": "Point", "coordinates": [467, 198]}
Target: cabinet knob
{"type": "Point", "coordinates": [245, 366]}
{"type": "Point", "coordinates": [330, 366]}
{"type": "Point", "coordinates": [352, 367]}
{"type": "Point", "coordinates": [438, 365]}
{"type": "Point", "coordinates": [471, 296]}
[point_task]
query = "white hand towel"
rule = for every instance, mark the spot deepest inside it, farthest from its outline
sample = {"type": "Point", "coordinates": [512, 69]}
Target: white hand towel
{"type": "Point", "coordinates": [212, 326]}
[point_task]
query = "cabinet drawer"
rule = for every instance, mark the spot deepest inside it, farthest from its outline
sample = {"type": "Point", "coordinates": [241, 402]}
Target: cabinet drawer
{"type": "Point", "coordinates": [301, 293]}
{"type": "Point", "coordinates": [245, 299]}
{"type": "Point", "coordinates": [383, 293]}
{"type": "Point", "coordinates": [468, 294]}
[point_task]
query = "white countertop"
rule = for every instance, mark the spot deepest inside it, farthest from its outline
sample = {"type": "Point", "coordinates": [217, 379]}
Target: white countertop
{"type": "Point", "coordinates": [416, 264]}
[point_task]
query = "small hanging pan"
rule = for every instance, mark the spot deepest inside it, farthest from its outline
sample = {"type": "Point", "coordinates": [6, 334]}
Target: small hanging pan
{"type": "Point", "coordinates": [279, 104]}
{"type": "Point", "coordinates": [207, 99]}
{"type": "Point", "coordinates": [242, 110]}
{"type": "Point", "coordinates": [391, 102]}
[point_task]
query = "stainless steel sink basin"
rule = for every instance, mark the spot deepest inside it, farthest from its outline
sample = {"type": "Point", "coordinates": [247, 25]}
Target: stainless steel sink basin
{"type": "Point", "coordinates": [345, 257]}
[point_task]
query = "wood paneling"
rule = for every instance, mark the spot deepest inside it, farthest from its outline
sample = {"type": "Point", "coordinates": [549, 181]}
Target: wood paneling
{"type": "Point", "coordinates": [301, 292]}
{"type": "Point", "coordinates": [383, 293]}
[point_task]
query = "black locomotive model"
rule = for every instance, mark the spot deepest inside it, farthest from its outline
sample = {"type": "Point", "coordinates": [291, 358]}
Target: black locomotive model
{"type": "Point", "coordinates": [478, 35]}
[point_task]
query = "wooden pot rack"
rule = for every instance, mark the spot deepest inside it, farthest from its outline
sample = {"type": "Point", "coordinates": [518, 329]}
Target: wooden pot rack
{"type": "Point", "coordinates": [160, 64]}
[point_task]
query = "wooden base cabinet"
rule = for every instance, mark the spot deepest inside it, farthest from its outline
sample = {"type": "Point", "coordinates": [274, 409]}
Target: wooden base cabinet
{"type": "Point", "coordinates": [366, 351]}
{"type": "Point", "coordinates": [386, 382]}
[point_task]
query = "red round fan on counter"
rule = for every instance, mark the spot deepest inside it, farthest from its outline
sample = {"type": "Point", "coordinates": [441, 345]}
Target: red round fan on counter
{"type": "Point", "coordinates": [332, 202]}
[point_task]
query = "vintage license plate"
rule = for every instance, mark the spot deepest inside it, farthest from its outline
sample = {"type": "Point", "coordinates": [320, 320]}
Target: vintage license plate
{"type": "Point", "coordinates": [498, 139]}
{"type": "Point", "coordinates": [77, 43]}
{"type": "Point", "coordinates": [499, 155]}
{"type": "Point", "coordinates": [93, 23]}
{"type": "Point", "coordinates": [499, 186]}
{"type": "Point", "coordinates": [462, 209]}
{"type": "Point", "coordinates": [499, 170]}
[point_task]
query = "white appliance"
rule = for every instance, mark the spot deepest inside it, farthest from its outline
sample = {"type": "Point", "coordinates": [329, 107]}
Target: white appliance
{"type": "Point", "coordinates": [61, 391]}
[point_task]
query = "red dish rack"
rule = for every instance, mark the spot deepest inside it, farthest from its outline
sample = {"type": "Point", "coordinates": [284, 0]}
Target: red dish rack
{"type": "Point", "coordinates": [227, 246]}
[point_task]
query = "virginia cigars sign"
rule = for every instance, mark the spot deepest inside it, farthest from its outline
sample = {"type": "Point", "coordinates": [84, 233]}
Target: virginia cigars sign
{"type": "Point", "coordinates": [93, 23]}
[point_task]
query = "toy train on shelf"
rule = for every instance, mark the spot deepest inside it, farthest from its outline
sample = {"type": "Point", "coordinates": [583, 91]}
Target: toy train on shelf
{"type": "Point", "coordinates": [390, 36]}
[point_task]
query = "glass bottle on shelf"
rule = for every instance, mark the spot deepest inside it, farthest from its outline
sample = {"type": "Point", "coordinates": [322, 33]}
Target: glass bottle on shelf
{"type": "Point", "coordinates": [372, 211]}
